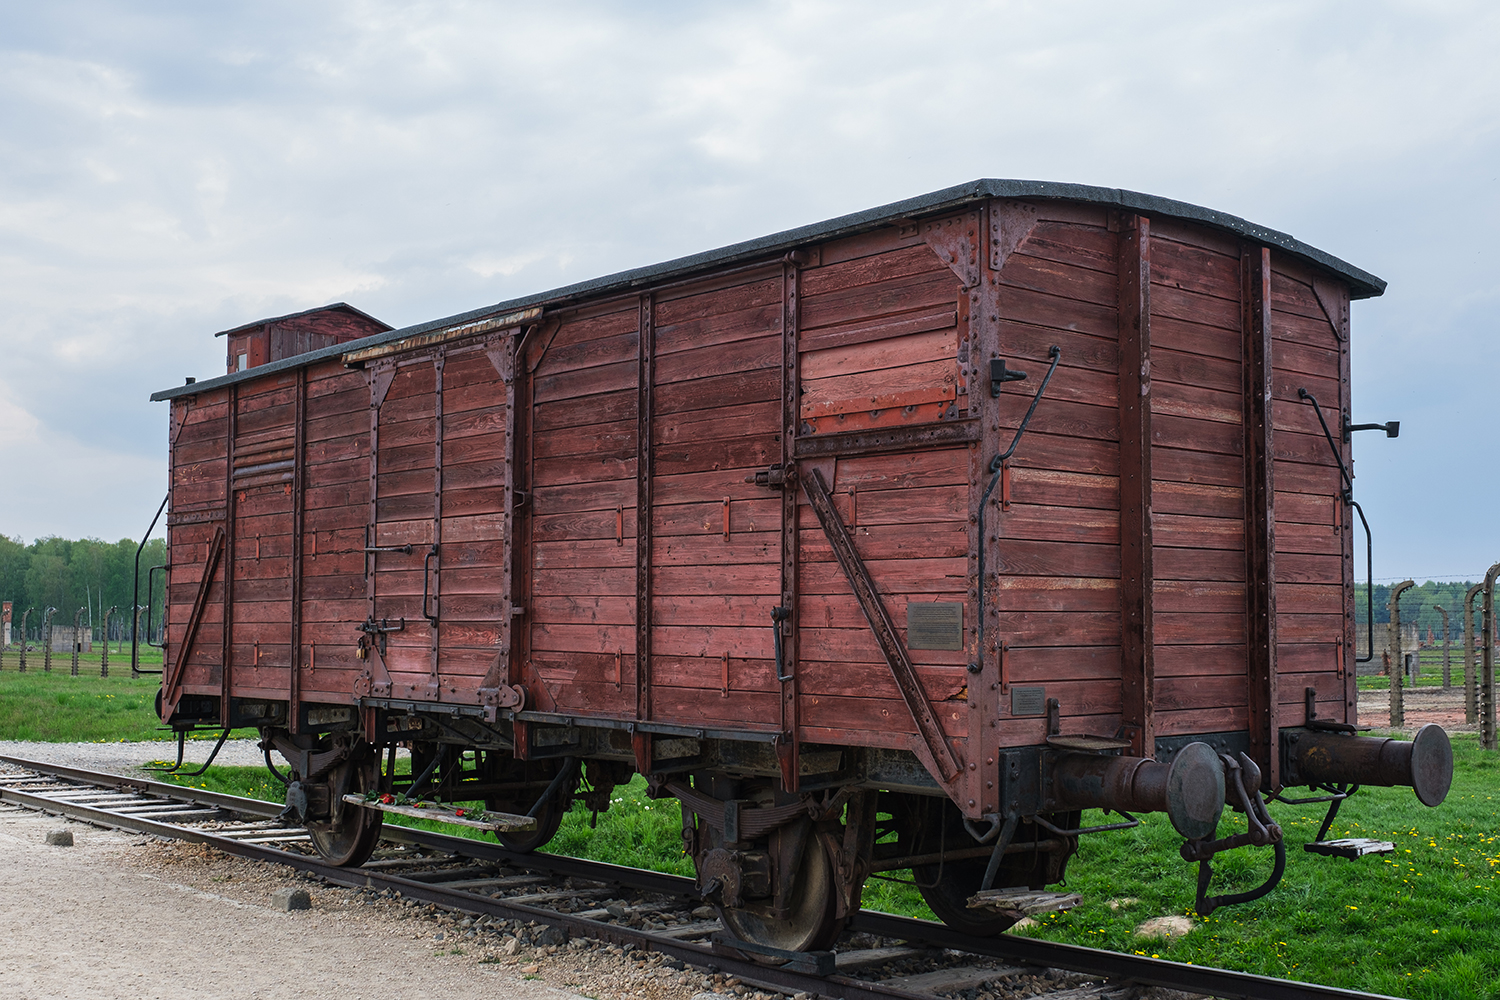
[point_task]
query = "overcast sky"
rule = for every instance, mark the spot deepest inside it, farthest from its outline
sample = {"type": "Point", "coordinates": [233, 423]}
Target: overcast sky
{"type": "Point", "coordinates": [168, 170]}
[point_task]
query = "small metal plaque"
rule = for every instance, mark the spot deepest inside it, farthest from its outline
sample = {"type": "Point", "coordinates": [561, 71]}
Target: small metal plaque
{"type": "Point", "coordinates": [934, 625]}
{"type": "Point", "coordinates": [1028, 700]}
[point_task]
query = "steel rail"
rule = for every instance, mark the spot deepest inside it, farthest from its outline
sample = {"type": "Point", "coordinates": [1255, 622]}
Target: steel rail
{"type": "Point", "coordinates": [1135, 969]}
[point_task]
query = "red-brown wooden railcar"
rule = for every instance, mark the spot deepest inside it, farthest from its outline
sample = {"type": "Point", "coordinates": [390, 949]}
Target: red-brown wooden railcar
{"type": "Point", "coordinates": [719, 522]}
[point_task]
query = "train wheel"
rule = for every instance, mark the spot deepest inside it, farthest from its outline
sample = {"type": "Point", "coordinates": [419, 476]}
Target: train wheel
{"type": "Point", "coordinates": [934, 824]}
{"type": "Point", "coordinates": [349, 840]}
{"type": "Point", "coordinates": [946, 890]}
{"type": "Point", "coordinates": [809, 922]}
{"type": "Point", "coordinates": [549, 815]}
{"type": "Point", "coordinates": [548, 818]}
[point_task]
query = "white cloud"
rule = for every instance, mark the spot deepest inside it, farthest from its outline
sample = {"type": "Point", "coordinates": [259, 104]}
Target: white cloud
{"type": "Point", "coordinates": [166, 172]}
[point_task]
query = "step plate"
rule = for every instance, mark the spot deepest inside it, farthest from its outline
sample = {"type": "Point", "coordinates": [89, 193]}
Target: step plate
{"type": "Point", "coordinates": [1349, 847]}
{"type": "Point", "coordinates": [1024, 901]}
{"type": "Point", "coordinates": [475, 818]}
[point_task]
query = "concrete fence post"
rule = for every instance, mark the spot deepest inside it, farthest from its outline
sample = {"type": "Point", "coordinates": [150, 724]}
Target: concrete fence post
{"type": "Point", "coordinates": [1447, 676]}
{"type": "Point", "coordinates": [1487, 664]}
{"type": "Point", "coordinates": [77, 637]}
{"type": "Point", "coordinates": [1397, 664]}
{"type": "Point", "coordinates": [1471, 692]}
{"type": "Point", "coordinates": [25, 617]}
{"type": "Point", "coordinates": [47, 639]}
{"type": "Point", "coordinates": [104, 657]}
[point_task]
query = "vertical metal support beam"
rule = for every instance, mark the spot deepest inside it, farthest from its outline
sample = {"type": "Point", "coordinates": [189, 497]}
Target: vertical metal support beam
{"type": "Point", "coordinates": [1487, 664]}
{"type": "Point", "coordinates": [518, 521]}
{"type": "Point", "coordinates": [788, 750]}
{"type": "Point", "coordinates": [1471, 692]}
{"type": "Point", "coordinates": [1447, 660]}
{"type": "Point", "coordinates": [503, 357]}
{"type": "Point", "coordinates": [375, 679]}
{"type": "Point", "coordinates": [299, 493]}
{"type": "Point", "coordinates": [1006, 225]}
{"type": "Point", "coordinates": [1260, 513]}
{"type": "Point", "coordinates": [1396, 664]}
{"type": "Point", "coordinates": [1347, 671]}
{"type": "Point", "coordinates": [226, 668]}
{"type": "Point", "coordinates": [643, 534]}
{"type": "Point", "coordinates": [434, 682]}
{"type": "Point", "coordinates": [1137, 574]}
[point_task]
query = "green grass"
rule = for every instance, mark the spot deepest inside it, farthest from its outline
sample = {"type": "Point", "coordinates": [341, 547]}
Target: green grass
{"type": "Point", "coordinates": [56, 707]}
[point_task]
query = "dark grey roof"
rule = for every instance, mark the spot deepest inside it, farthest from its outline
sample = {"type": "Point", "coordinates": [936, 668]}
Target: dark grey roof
{"type": "Point", "coordinates": [342, 306]}
{"type": "Point", "coordinates": [1362, 284]}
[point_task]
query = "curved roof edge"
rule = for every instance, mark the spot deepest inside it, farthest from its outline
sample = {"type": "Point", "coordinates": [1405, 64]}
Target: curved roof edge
{"type": "Point", "coordinates": [1362, 284]}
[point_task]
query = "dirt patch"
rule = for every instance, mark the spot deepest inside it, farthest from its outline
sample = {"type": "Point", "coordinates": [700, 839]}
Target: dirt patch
{"type": "Point", "coordinates": [122, 915]}
{"type": "Point", "coordinates": [1420, 706]}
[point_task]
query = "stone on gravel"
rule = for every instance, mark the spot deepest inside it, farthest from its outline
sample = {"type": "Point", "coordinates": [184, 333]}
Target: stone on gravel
{"type": "Point", "coordinates": [287, 899]}
{"type": "Point", "coordinates": [705, 913]}
{"type": "Point", "coordinates": [553, 936]}
{"type": "Point", "coordinates": [1164, 927]}
{"type": "Point", "coordinates": [530, 970]}
{"type": "Point", "coordinates": [512, 946]}
{"type": "Point", "coordinates": [60, 838]}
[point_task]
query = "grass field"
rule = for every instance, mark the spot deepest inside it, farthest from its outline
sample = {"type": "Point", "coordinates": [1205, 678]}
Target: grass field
{"type": "Point", "coordinates": [57, 707]}
{"type": "Point", "coordinates": [1423, 922]}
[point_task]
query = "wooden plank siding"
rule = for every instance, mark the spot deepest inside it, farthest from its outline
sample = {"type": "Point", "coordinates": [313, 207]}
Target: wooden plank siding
{"type": "Point", "coordinates": [715, 423]}
{"type": "Point", "coordinates": [1059, 558]}
{"type": "Point", "coordinates": [582, 520]}
{"type": "Point", "coordinates": [1311, 518]}
{"type": "Point", "coordinates": [1198, 487]}
{"type": "Point", "coordinates": [882, 331]}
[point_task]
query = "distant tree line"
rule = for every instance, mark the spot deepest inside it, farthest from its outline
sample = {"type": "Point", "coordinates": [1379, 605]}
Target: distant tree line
{"type": "Point", "coordinates": [1419, 606]}
{"type": "Point", "coordinates": [68, 575]}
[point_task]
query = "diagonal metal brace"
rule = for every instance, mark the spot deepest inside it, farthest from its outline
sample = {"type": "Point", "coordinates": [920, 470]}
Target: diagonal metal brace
{"type": "Point", "coordinates": [880, 623]}
{"type": "Point", "coordinates": [195, 618]}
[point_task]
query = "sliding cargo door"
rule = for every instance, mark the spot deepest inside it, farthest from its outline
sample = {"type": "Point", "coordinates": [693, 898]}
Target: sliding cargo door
{"type": "Point", "coordinates": [579, 373]}
{"type": "Point", "coordinates": [438, 561]}
{"type": "Point", "coordinates": [715, 545]}
{"type": "Point", "coordinates": [258, 657]}
{"type": "Point", "coordinates": [885, 622]}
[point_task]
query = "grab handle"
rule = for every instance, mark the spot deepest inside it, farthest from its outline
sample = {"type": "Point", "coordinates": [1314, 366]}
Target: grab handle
{"type": "Point", "coordinates": [426, 575]}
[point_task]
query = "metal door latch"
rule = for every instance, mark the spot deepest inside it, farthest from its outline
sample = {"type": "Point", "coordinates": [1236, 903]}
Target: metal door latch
{"type": "Point", "coordinates": [773, 478]}
{"type": "Point", "coordinates": [379, 632]}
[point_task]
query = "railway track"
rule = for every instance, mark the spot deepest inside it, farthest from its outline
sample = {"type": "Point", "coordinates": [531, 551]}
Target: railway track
{"type": "Point", "coordinates": [885, 956]}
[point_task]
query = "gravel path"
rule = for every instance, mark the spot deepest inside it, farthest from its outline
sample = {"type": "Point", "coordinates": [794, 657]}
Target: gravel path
{"type": "Point", "coordinates": [123, 916]}
{"type": "Point", "coordinates": [127, 758]}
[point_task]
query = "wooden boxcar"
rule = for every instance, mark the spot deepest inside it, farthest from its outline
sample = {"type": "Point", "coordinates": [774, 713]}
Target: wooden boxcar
{"type": "Point", "coordinates": [783, 528]}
